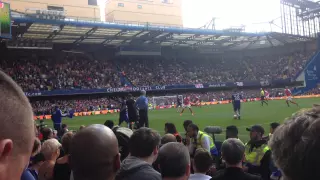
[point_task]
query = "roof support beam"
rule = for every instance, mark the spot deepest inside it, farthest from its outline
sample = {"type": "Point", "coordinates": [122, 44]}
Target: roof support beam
{"type": "Point", "coordinates": [86, 35]}
{"type": "Point", "coordinates": [269, 40]}
{"type": "Point", "coordinates": [55, 33]}
{"type": "Point", "coordinates": [107, 40]}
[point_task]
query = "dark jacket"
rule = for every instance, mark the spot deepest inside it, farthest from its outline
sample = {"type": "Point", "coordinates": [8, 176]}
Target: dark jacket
{"type": "Point", "coordinates": [133, 168]}
{"type": "Point", "coordinates": [234, 173]}
{"type": "Point", "coordinates": [264, 168]}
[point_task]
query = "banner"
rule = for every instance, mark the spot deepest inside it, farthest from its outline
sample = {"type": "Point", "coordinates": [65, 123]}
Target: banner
{"type": "Point", "coordinates": [211, 86]}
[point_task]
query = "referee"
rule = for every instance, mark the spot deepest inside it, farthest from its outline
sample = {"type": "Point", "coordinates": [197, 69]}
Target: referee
{"type": "Point", "coordinates": [262, 97]}
{"type": "Point", "coordinates": [142, 105]}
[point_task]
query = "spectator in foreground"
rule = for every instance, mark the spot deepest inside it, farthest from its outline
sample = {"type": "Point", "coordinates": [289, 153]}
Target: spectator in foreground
{"type": "Point", "coordinates": [171, 128]}
{"type": "Point", "coordinates": [174, 161]}
{"type": "Point", "coordinates": [109, 124]}
{"type": "Point", "coordinates": [233, 153]}
{"type": "Point", "coordinates": [202, 162]}
{"type": "Point", "coordinates": [51, 151]}
{"type": "Point", "coordinates": [99, 162]}
{"type": "Point", "coordinates": [143, 146]}
{"type": "Point", "coordinates": [47, 133]}
{"type": "Point", "coordinates": [35, 165]}
{"type": "Point", "coordinates": [16, 131]}
{"type": "Point", "coordinates": [168, 138]}
{"type": "Point", "coordinates": [123, 135]}
{"type": "Point", "coordinates": [296, 144]}
{"type": "Point", "coordinates": [62, 168]}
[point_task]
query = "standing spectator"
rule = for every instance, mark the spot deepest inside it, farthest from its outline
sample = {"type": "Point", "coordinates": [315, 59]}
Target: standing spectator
{"type": "Point", "coordinates": [51, 151]}
{"type": "Point", "coordinates": [142, 105]}
{"type": "Point", "coordinates": [174, 161]}
{"type": "Point", "coordinates": [296, 144]}
{"type": "Point", "coordinates": [202, 162]}
{"type": "Point", "coordinates": [233, 151]}
{"type": "Point", "coordinates": [143, 146]}
{"type": "Point", "coordinates": [62, 168]}
{"type": "Point", "coordinates": [99, 162]}
{"type": "Point", "coordinates": [17, 129]}
{"type": "Point", "coordinates": [171, 128]}
{"type": "Point", "coordinates": [64, 129]}
{"type": "Point", "coordinates": [132, 111]}
{"type": "Point", "coordinates": [35, 165]}
{"type": "Point", "coordinates": [47, 133]}
{"type": "Point", "coordinates": [273, 127]}
{"type": "Point", "coordinates": [257, 153]}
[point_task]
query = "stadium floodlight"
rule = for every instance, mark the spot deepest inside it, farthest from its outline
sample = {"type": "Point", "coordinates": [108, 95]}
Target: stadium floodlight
{"type": "Point", "coordinates": [165, 100]}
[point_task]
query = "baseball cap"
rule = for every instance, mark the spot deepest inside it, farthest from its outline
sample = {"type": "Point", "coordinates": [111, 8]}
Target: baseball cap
{"type": "Point", "coordinates": [232, 129]}
{"type": "Point", "coordinates": [256, 128]}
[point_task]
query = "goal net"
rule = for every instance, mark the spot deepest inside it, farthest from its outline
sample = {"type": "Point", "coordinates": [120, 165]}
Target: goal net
{"type": "Point", "coordinates": [165, 100]}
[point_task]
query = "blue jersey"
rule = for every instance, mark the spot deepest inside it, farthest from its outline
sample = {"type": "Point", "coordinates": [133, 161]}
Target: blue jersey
{"type": "Point", "coordinates": [236, 98]}
{"type": "Point", "coordinates": [57, 116]}
{"type": "Point", "coordinates": [123, 107]}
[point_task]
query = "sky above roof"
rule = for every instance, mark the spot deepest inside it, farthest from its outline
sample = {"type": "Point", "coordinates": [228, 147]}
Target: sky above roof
{"type": "Point", "coordinates": [255, 15]}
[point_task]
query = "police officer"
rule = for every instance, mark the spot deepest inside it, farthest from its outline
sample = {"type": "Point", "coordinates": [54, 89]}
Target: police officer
{"type": "Point", "coordinates": [257, 153]}
{"type": "Point", "coordinates": [199, 139]}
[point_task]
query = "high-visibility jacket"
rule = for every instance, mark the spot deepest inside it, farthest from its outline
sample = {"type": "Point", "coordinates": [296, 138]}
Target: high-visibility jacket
{"type": "Point", "coordinates": [254, 157]}
{"type": "Point", "coordinates": [201, 136]}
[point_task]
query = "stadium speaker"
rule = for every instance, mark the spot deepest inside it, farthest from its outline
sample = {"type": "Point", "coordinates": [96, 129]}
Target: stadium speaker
{"type": "Point", "coordinates": [213, 129]}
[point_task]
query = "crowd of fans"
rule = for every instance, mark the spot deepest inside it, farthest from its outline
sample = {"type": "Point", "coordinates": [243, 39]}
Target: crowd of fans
{"type": "Point", "coordinates": [34, 71]}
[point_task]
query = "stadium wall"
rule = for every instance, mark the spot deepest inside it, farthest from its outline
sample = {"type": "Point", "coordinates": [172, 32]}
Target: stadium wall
{"type": "Point", "coordinates": [77, 9]}
{"type": "Point", "coordinates": [157, 12]}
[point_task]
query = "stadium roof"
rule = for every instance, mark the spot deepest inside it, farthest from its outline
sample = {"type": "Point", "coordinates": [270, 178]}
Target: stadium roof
{"type": "Point", "coordinates": [113, 34]}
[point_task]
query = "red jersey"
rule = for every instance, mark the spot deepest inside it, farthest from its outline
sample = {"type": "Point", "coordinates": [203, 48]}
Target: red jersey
{"type": "Point", "coordinates": [267, 93]}
{"type": "Point", "coordinates": [186, 101]}
{"type": "Point", "coordinates": [287, 92]}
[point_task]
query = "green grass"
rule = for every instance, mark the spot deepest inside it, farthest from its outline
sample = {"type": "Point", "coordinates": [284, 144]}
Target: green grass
{"type": "Point", "coordinates": [214, 115]}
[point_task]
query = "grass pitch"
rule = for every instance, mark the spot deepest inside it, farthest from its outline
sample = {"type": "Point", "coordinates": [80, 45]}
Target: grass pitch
{"type": "Point", "coordinates": [213, 115]}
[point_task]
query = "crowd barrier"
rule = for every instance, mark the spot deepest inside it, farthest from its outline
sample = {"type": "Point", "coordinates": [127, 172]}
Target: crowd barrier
{"type": "Point", "coordinates": [104, 112]}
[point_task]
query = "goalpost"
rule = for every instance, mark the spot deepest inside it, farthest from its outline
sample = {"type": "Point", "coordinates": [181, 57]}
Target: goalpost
{"type": "Point", "coordinates": [165, 100]}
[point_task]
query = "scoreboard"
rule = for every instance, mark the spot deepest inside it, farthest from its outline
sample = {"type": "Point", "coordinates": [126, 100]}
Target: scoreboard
{"type": "Point", "coordinates": [5, 20]}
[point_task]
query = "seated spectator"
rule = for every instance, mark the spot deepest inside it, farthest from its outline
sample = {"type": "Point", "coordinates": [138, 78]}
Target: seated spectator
{"type": "Point", "coordinates": [295, 146]}
{"type": "Point", "coordinates": [171, 128]}
{"type": "Point", "coordinates": [143, 146]}
{"type": "Point", "coordinates": [168, 138]}
{"type": "Point", "coordinates": [99, 162]}
{"type": "Point", "coordinates": [109, 124]}
{"type": "Point", "coordinates": [174, 161]}
{"type": "Point", "coordinates": [62, 168]}
{"type": "Point", "coordinates": [16, 131]}
{"type": "Point", "coordinates": [35, 165]}
{"type": "Point", "coordinates": [51, 151]}
{"type": "Point", "coordinates": [232, 151]}
{"type": "Point", "coordinates": [202, 163]}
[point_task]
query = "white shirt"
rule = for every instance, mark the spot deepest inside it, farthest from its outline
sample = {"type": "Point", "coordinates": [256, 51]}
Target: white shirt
{"type": "Point", "coordinates": [205, 144]}
{"type": "Point", "coordinates": [198, 176]}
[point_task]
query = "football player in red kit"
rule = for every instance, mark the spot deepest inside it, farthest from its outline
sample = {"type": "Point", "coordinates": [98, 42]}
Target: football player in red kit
{"type": "Point", "coordinates": [186, 104]}
{"type": "Point", "coordinates": [197, 101]}
{"type": "Point", "coordinates": [288, 93]}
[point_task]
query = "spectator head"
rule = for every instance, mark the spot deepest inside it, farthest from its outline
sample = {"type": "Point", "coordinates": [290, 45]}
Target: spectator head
{"type": "Point", "coordinates": [256, 132]}
{"type": "Point", "coordinates": [144, 143]}
{"type": "Point", "coordinates": [273, 127]}
{"type": "Point", "coordinates": [186, 123]}
{"type": "Point", "coordinates": [16, 131]}
{"type": "Point", "coordinates": [38, 160]}
{"type": "Point", "coordinates": [170, 128]}
{"type": "Point", "coordinates": [47, 133]}
{"type": "Point", "coordinates": [174, 161]}
{"type": "Point", "coordinates": [123, 135]}
{"type": "Point", "coordinates": [101, 161]}
{"type": "Point", "coordinates": [82, 126]}
{"type": "Point", "coordinates": [232, 151]}
{"type": "Point", "coordinates": [36, 147]}
{"type": "Point", "coordinates": [168, 138]}
{"type": "Point", "coordinates": [64, 126]}
{"type": "Point", "coordinates": [66, 142]}
{"type": "Point", "coordinates": [143, 93]}
{"type": "Point", "coordinates": [202, 161]}
{"type": "Point", "coordinates": [109, 124]}
{"type": "Point", "coordinates": [232, 132]}
{"type": "Point", "coordinates": [130, 96]}
{"type": "Point", "coordinates": [296, 144]}
{"type": "Point", "coordinates": [51, 149]}
{"type": "Point", "coordinates": [192, 130]}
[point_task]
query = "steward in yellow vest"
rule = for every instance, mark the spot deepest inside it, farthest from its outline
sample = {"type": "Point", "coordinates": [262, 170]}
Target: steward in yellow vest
{"type": "Point", "coordinates": [257, 153]}
{"type": "Point", "coordinates": [200, 139]}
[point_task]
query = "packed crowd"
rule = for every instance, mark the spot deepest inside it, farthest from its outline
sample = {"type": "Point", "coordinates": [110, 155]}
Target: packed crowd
{"type": "Point", "coordinates": [118, 153]}
{"type": "Point", "coordinates": [36, 71]}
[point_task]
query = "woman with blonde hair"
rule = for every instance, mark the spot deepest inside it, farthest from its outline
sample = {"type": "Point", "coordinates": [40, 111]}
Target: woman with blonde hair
{"type": "Point", "coordinates": [51, 151]}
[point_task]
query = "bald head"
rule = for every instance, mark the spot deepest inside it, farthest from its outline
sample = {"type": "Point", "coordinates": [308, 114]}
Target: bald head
{"type": "Point", "coordinates": [94, 153]}
{"type": "Point", "coordinates": [168, 138]}
{"type": "Point", "coordinates": [174, 160]}
{"type": "Point", "coordinates": [17, 127]}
